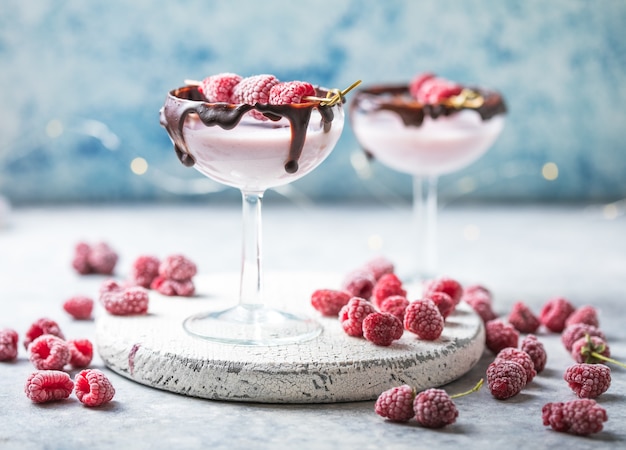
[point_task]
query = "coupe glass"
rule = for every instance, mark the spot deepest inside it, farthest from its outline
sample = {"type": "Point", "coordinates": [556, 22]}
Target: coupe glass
{"type": "Point", "coordinates": [425, 141]}
{"type": "Point", "coordinates": [227, 144]}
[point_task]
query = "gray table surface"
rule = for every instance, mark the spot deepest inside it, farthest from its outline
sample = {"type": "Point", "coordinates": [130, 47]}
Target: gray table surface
{"type": "Point", "coordinates": [526, 252]}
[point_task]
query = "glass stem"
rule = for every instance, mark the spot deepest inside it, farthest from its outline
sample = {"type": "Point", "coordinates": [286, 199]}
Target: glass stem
{"type": "Point", "coordinates": [425, 217]}
{"type": "Point", "coordinates": [251, 285]}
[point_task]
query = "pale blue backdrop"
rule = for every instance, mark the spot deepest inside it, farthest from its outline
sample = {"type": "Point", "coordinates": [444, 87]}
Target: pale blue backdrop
{"type": "Point", "coordinates": [81, 83]}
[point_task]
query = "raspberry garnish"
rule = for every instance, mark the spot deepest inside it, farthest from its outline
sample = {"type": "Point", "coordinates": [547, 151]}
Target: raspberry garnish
{"type": "Point", "coordinates": [505, 378]}
{"type": "Point", "coordinates": [81, 352]}
{"type": "Point", "coordinates": [581, 417]}
{"type": "Point", "coordinates": [172, 287]}
{"type": "Point", "coordinates": [48, 385]}
{"type": "Point", "coordinates": [444, 303]}
{"type": "Point", "coordinates": [588, 380]}
{"type": "Point", "coordinates": [290, 92]}
{"type": "Point", "coordinates": [359, 283]}
{"type": "Point", "coordinates": [554, 313]}
{"type": "Point", "coordinates": [429, 89]}
{"type": "Point", "coordinates": [423, 318]}
{"type": "Point", "coordinates": [499, 335]}
{"type": "Point", "coordinates": [79, 307]}
{"type": "Point", "coordinates": [379, 266]}
{"type": "Point", "coordinates": [536, 351]}
{"type": "Point", "coordinates": [396, 305]}
{"type": "Point", "coordinates": [523, 319]}
{"type": "Point", "coordinates": [49, 352]}
{"type": "Point", "coordinates": [329, 301]}
{"type": "Point", "coordinates": [585, 314]}
{"type": "Point", "coordinates": [8, 344]}
{"type": "Point", "coordinates": [396, 404]}
{"type": "Point", "coordinates": [219, 88]}
{"type": "Point", "coordinates": [520, 357]}
{"type": "Point", "coordinates": [93, 388]}
{"type": "Point", "coordinates": [576, 331]}
{"type": "Point", "coordinates": [40, 327]}
{"type": "Point", "coordinates": [434, 408]}
{"type": "Point", "coordinates": [253, 90]}
{"type": "Point", "coordinates": [145, 269]}
{"type": "Point", "coordinates": [125, 302]}
{"type": "Point", "coordinates": [353, 314]}
{"type": "Point", "coordinates": [382, 328]}
{"type": "Point", "coordinates": [177, 268]}
{"type": "Point", "coordinates": [415, 86]}
{"type": "Point", "coordinates": [387, 285]}
{"type": "Point", "coordinates": [444, 284]}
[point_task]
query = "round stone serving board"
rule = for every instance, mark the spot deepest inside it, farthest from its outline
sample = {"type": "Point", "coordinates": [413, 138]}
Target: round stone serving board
{"type": "Point", "coordinates": [155, 350]}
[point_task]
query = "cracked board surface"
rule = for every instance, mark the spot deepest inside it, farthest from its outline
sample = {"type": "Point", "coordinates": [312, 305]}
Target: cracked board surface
{"type": "Point", "coordinates": [155, 350]}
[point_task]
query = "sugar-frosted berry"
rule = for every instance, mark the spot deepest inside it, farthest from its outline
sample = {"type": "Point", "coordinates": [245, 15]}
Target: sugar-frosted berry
{"type": "Point", "coordinates": [434, 408]}
{"type": "Point", "coordinates": [387, 285]}
{"type": "Point", "coordinates": [177, 268]}
{"type": "Point", "coordinates": [129, 301]}
{"type": "Point", "coordinates": [396, 404]}
{"type": "Point", "coordinates": [584, 348]}
{"type": "Point", "coordinates": [40, 327]}
{"type": "Point", "coordinates": [396, 305]}
{"type": "Point", "coordinates": [505, 378]}
{"type": "Point", "coordinates": [520, 357]}
{"type": "Point", "coordinates": [49, 352]}
{"type": "Point", "coordinates": [79, 307]}
{"type": "Point", "coordinates": [523, 319]}
{"type": "Point", "coordinates": [8, 344]}
{"type": "Point", "coordinates": [219, 87]}
{"type": "Point", "coordinates": [499, 335]}
{"type": "Point", "coordinates": [290, 92]}
{"type": "Point", "coordinates": [554, 313]}
{"type": "Point", "coordinates": [581, 417]}
{"type": "Point", "coordinates": [573, 332]}
{"type": "Point", "coordinates": [353, 314]}
{"type": "Point", "coordinates": [444, 284]}
{"type": "Point", "coordinates": [359, 283]}
{"type": "Point", "coordinates": [415, 86]}
{"type": "Point", "coordinates": [588, 380]}
{"type": "Point", "coordinates": [329, 301]}
{"type": "Point", "coordinates": [93, 388]}
{"type": "Point", "coordinates": [80, 261]}
{"type": "Point", "coordinates": [444, 302]}
{"type": "Point", "coordinates": [477, 289]}
{"type": "Point", "coordinates": [48, 385]}
{"type": "Point", "coordinates": [435, 90]}
{"type": "Point", "coordinates": [102, 258]}
{"type": "Point", "coordinates": [537, 352]}
{"type": "Point", "coordinates": [481, 304]}
{"type": "Point", "coordinates": [382, 328]}
{"type": "Point", "coordinates": [379, 266]}
{"type": "Point", "coordinates": [145, 269]}
{"type": "Point", "coordinates": [172, 287]}
{"type": "Point", "coordinates": [585, 314]}
{"type": "Point", "coordinates": [253, 90]}
{"type": "Point", "coordinates": [81, 352]}
{"type": "Point", "coordinates": [423, 318]}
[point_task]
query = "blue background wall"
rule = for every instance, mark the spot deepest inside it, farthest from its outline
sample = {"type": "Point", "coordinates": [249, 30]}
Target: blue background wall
{"type": "Point", "coordinates": [81, 84]}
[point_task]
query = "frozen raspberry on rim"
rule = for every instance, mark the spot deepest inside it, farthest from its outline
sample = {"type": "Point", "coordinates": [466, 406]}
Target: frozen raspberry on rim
{"type": "Point", "coordinates": [536, 351]}
{"type": "Point", "coordinates": [588, 380]}
{"type": "Point", "coordinates": [49, 352]}
{"type": "Point", "coordinates": [359, 283]}
{"type": "Point", "coordinates": [499, 335]}
{"type": "Point", "coordinates": [353, 314]}
{"type": "Point", "coordinates": [387, 285]}
{"type": "Point", "coordinates": [290, 92]}
{"type": "Point", "coordinates": [581, 417]}
{"type": "Point", "coordinates": [79, 307]}
{"type": "Point", "coordinates": [554, 313]}
{"type": "Point", "coordinates": [93, 388]}
{"type": "Point", "coordinates": [520, 357]}
{"type": "Point", "coordinates": [445, 284]}
{"type": "Point", "coordinates": [81, 352]}
{"type": "Point", "coordinates": [505, 378]}
{"type": "Point", "coordinates": [40, 327]}
{"type": "Point", "coordinates": [329, 301]}
{"type": "Point", "coordinates": [523, 319]}
{"type": "Point", "coordinates": [423, 318]}
{"type": "Point", "coordinates": [219, 88]}
{"type": "Point", "coordinates": [396, 404]}
{"type": "Point", "coordinates": [434, 408]}
{"type": "Point", "coordinates": [253, 90]}
{"type": "Point", "coordinates": [381, 328]}
{"type": "Point", "coordinates": [444, 302]}
{"type": "Point", "coordinates": [415, 86]}
{"type": "Point", "coordinates": [396, 305]}
{"type": "Point", "coordinates": [48, 385]}
{"type": "Point", "coordinates": [8, 344]}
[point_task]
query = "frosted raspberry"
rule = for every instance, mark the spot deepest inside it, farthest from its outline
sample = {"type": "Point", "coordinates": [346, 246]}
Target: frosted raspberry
{"type": "Point", "coordinates": [93, 388]}
{"type": "Point", "coordinates": [536, 351]}
{"type": "Point", "coordinates": [444, 303]}
{"type": "Point", "coordinates": [423, 318]}
{"type": "Point", "coordinates": [130, 301]}
{"type": "Point", "coordinates": [382, 328]}
{"type": "Point", "coordinates": [434, 90]}
{"type": "Point", "coordinates": [49, 352]}
{"type": "Point", "coordinates": [505, 378]}
{"type": "Point", "coordinates": [523, 319]}
{"type": "Point", "coordinates": [520, 357]}
{"type": "Point", "coordinates": [554, 313]}
{"type": "Point", "coordinates": [290, 92]}
{"type": "Point", "coordinates": [219, 88]}
{"type": "Point", "coordinates": [253, 90]}
{"type": "Point", "coordinates": [585, 314]}
{"type": "Point", "coordinates": [8, 344]}
{"type": "Point", "coordinates": [80, 262]}
{"type": "Point", "coordinates": [108, 286]}
{"type": "Point", "coordinates": [359, 283]}
{"type": "Point", "coordinates": [581, 417]}
{"type": "Point", "coordinates": [329, 301]}
{"type": "Point", "coordinates": [584, 348]}
{"type": "Point", "coordinates": [79, 307]}
{"type": "Point", "coordinates": [177, 268]}
{"type": "Point", "coordinates": [353, 314]}
{"type": "Point", "coordinates": [588, 380]}
{"type": "Point", "coordinates": [415, 86]}
{"type": "Point", "coordinates": [102, 259]}
{"type": "Point", "coordinates": [434, 408]}
{"type": "Point", "coordinates": [387, 285]}
{"type": "Point", "coordinates": [396, 404]}
{"type": "Point", "coordinates": [481, 304]}
{"type": "Point", "coordinates": [444, 284]}
{"type": "Point", "coordinates": [48, 385]}
{"type": "Point", "coordinates": [145, 269]}
{"type": "Point", "coordinates": [500, 334]}
{"type": "Point", "coordinates": [576, 331]}
{"type": "Point", "coordinates": [379, 266]}
{"type": "Point", "coordinates": [396, 305]}
{"type": "Point", "coordinates": [40, 327]}
{"type": "Point", "coordinates": [477, 289]}
{"type": "Point", "coordinates": [172, 287]}
{"type": "Point", "coordinates": [81, 352]}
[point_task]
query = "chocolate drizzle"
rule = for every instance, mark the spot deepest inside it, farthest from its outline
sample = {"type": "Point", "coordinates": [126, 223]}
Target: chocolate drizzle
{"type": "Point", "coordinates": [186, 100]}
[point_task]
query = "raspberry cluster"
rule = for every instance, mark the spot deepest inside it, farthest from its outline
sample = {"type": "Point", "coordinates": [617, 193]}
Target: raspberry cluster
{"type": "Point", "coordinates": [99, 258]}
{"type": "Point", "coordinates": [175, 276]}
{"type": "Point", "coordinates": [91, 387]}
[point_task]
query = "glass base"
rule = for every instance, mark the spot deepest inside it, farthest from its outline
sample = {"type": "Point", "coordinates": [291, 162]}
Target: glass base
{"type": "Point", "coordinates": [252, 325]}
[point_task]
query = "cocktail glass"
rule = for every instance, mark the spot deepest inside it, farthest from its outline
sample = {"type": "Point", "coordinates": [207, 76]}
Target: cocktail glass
{"type": "Point", "coordinates": [227, 144]}
{"type": "Point", "coordinates": [425, 141]}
